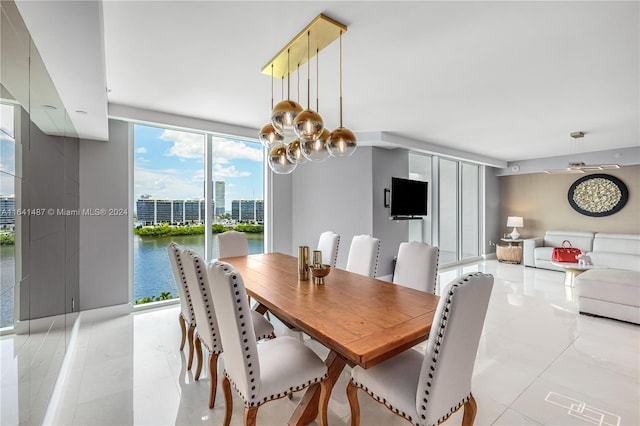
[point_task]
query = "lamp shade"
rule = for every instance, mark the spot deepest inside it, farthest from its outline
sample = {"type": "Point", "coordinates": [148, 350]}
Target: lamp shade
{"type": "Point", "coordinates": [515, 221]}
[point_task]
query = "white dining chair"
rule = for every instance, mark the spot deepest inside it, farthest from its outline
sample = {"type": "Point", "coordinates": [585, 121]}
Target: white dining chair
{"type": "Point", "coordinates": [328, 244]}
{"type": "Point", "coordinates": [187, 317]}
{"type": "Point", "coordinates": [259, 373]}
{"type": "Point", "coordinates": [207, 325]}
{"type": "Point", "coordinates": [426, 389]}
{"type": "Point", "coordinates": [417, 266]}
{"type": "Point", "coordinates": [232, 244]}
{"type": "Point", "coordinates": [363, 255]}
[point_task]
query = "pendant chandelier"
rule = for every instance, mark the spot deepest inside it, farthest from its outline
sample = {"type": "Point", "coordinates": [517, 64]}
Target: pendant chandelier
{"type": "Point", "coordinates": [268, 134]}
{"type": "Point", "coordinates": [294, 135]}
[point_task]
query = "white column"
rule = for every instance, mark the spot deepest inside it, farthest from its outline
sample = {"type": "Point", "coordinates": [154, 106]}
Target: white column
{"type": "Point", "coordinates": [208, 194]}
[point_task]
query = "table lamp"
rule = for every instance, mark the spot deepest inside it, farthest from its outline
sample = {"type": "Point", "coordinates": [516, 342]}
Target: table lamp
{"type": "Point", "coordinates": [516, 222]}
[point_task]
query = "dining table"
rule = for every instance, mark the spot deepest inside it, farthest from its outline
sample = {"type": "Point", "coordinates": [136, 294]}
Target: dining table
{"type": "Point", "coordinates": [361, 320]}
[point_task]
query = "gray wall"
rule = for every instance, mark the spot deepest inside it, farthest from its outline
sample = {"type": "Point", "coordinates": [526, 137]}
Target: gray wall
{"type": "Point", "coordinates": [334, 195]}
{"type": "Point", "coordinates": [541, 199]}
{"type": "Point", "coordinates": [281, 212]}
{"type": "Point", "coordinates": [50, 259]}
{"type": "Point", "coordinates": [386, 164]}
{"type": "Point", "coordinates": [104, 239]}
{"type": "Point", "coordinates": [493, 227]}
{"type": "Point", "coordinates": [345, 195]}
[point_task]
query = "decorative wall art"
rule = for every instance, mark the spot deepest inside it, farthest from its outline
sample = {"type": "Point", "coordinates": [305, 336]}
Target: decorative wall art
{"type": "Point", "coordinates": [598, 195]}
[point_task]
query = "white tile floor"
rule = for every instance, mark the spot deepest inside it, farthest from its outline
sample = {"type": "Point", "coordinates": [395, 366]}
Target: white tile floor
{"type": "Point", "coordinates": [539, 362]}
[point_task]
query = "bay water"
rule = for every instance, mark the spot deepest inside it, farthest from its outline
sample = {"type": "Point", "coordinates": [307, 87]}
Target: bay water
{"type": "Point", "coordinates": [152, 272]}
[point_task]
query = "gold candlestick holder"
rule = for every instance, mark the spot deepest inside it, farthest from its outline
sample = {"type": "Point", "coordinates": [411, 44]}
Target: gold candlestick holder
{"type": "Point", "coordinates": [303, 263]}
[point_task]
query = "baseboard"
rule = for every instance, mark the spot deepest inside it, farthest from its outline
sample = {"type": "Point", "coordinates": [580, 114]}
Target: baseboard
{"type": "Point", "coordinates": [99, 314]}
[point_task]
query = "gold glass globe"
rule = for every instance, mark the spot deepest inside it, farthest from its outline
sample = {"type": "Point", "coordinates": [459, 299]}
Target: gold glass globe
{"type": "Point", "coordinates": [308, 124]}
{"type": "Point", "coordinates": [294, 152]}
{"type": "Point", "coordinates": [278, 161]}
{"type": "Point", "coordinates": [316, 149]}
{"type": "Point", "coordinates": [269, 136]}
{"type": "Point", "coordinates": [342, 142]}
{"type": "Point", "coordinates": [283, 115]}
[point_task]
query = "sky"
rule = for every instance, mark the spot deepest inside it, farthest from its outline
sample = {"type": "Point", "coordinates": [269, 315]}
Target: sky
{"type": "Point", "coordinates": [170, 164]}
{"type": "Point", "coordinates": [7, 150]}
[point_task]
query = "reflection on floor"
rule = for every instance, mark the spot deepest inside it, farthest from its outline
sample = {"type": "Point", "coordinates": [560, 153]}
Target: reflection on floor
{"type": "Point", "coordinates": [539, 362]}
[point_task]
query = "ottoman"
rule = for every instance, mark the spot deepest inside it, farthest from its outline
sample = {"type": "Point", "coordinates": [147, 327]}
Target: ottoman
{"type": "Point", "coordinates": [611, 293]}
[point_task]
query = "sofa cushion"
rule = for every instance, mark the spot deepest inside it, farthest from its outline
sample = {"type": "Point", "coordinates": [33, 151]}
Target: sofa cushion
{"type": "Point", "coordinates": [617, 243]}
{"type": "Point", "coordinates": [612, 285]}
{"type": "Point", "coordinates": [543, 253]}
{"type": "Point", "coordinates": [630, 262]}
{"type": "Point", "coordinates": [581, 240]}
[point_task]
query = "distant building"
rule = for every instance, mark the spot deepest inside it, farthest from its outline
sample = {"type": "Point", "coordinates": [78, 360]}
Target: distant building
{"type": "Point", "coordinates": [247, 211]}
{"type": "Point", "coordinates": [7, 210]}
{"type": "Point", "coordinates": [219, 197]}
{"type": "Point", "coordinates": [154, 211]}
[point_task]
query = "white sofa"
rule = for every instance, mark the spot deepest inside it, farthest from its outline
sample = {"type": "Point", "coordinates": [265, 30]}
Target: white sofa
{"type": "Point", "coordinates": [536, 252]}
{"type": "Point", "coordinates": [614, 291]}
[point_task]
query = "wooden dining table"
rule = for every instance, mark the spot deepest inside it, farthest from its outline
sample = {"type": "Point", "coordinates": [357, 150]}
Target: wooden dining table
{"type": "Point", "coordinates": [361, 320]}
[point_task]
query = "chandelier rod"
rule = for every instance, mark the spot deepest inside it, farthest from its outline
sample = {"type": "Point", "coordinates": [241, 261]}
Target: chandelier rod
{"type": "Point", "coordinates": [308, 70]}
{"type": "Point", "coordinates": [340, 78]}
{"type": "Point", "coordinates": [288, 78]}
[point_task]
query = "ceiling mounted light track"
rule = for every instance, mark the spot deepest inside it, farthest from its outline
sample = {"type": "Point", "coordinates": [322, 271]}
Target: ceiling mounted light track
{"type": "Point", "coordinates": [314, 142]}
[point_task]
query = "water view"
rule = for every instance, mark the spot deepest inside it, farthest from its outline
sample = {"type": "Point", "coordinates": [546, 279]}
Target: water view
{"type": "Point", "coordinates": [7, 282]}
{"type": "Point", "coordinates": [152, 273]}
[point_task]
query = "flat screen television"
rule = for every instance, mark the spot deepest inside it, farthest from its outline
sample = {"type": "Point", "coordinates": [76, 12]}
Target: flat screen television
{"type": "Point", "coordinates": [408, 197]}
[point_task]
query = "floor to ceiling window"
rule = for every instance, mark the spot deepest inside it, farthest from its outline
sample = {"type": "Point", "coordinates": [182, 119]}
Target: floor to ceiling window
{"type": "Point", "coordinates": [470, 208]}
{"type": "Point", "coordinates": [238, 190]}
{"type": "Point", "coordinates": [448, 208]}
{"type": "Point", "coordinates": [174, 202]}
{"type": "Point", "coordinates": [420, 169]}
{"type": "Point", "coordinates": [458, 210]}
{"type": "Point", "coordinates": [7, 215]}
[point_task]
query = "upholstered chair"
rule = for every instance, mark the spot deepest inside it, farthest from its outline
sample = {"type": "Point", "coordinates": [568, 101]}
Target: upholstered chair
{"type": "Point", "coordinates": [258, 373]}
{"type": "Point", "coordinates": [426, 389]}
{"type": "Point", "coordinates": [328, 244]}
{"type": "Point", "coordinates": [207, 329]}
{"type": "Point", "coordinates": [187, 317]}
{"type": "Point", "coordinates": [417, 266]}
{"type": "Point", "coordinates": [363, 255]}
{"type": "Point", "coordinates": [232, 243]}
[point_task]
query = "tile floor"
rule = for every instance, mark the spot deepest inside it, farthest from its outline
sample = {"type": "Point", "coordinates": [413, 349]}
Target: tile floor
{"type": "Point", "coordinates": [539, 362]}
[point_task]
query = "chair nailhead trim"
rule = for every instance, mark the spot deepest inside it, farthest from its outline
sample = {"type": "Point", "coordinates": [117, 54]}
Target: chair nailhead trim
{"type": "Point", "coordinates": [438, 343]}
{"type": "Point", "coordinates": [432, 368]}
{"type": "Point", "coordinates": [435, 273]}
{"type": "Point", "coordinates": [384, 402]}
{"type": "Point", "coordinates": [204, 291]}
{"type": "Point", "coordinates": [250, 401]}
{"type": "Point", "coordinates": [375, 266]}
{"type": "Point", "coordinates": [183, 281]}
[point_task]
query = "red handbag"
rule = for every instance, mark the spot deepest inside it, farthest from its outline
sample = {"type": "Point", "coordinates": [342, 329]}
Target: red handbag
{"type": "Point", "coordinates": [565, 253]}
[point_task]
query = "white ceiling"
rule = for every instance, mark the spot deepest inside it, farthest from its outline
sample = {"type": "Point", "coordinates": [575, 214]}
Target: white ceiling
{"type": "Point", "coordinates": [507, 80]}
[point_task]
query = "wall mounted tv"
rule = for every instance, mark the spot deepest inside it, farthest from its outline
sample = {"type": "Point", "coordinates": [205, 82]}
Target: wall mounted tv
{"type": "Point", "coordinates": [408, 198]}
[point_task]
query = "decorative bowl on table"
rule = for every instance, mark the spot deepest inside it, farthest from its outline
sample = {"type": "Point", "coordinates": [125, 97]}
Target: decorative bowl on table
{"type": "Point", "coordinates": [319, 272]}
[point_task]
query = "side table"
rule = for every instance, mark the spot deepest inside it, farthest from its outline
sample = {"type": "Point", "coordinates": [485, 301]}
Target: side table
{"type": "Point", "coordinates": [511, 253]}
{"type": "Point", "coordinates": [573, 269]}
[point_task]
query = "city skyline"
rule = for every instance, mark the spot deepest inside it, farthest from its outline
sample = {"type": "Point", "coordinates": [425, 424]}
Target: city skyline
{"type": "Point", "coordinates": [154, 211]}
{"type": "Point", "coordinates": [170, 164]}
